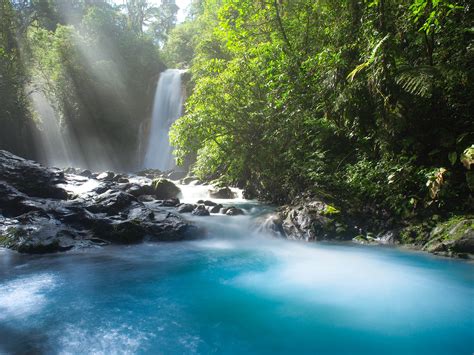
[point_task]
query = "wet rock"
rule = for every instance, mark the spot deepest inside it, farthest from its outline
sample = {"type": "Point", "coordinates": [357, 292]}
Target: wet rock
{"type": "Point", "coordinates": [150, 173]}
{"type": "Point", "coordinates": [122, 180]}
{"type": "Point", "coordinates": [111, 202]}
{"type": "Point", "coordinates": [200, 210]}
{"type": "Point", "coordinates": [188, 179]}
{"type": "Point", "coordinates": [215, 209]}
{"type": "Point", "coordinates": [162, 189]}
{"type": "Point", "coordinates": [221, 193]}
{"type": "Point", "coordinates": [31, 178]}
{"type": "Point", "coordinates": [390, 237]}
{"type": "Point", "coordinates": [14, 203]}
{"type": "Point", "coordinates": [270, 224]}
{"type": "Point", "coordinates": [454, 237]}
{"type": "Point", "coordinates": [37, 233]}
{"type": "Point", "coordinates": [33, 220]}
{"type": "Point", "coordinates": [86, 173]}
{"type": "Point", "coordinates": [106, 176]}
{"type": "Point", "coordinates": [146, 198]}
{"type": "Point", "coordinates": [312, 219]}
{"type": "Point", "coordinates": [165, 189]}
{"type": "Point", "coordinates": [172, 202]}
{"type": "Point", "coordinates": [175, 175]}
{"type": "Point", "coordinates": [234, 211]}
{"type": "Point", "coordinates": [186, 208]}
{"type": "Point", "coordinates": [209, 203]}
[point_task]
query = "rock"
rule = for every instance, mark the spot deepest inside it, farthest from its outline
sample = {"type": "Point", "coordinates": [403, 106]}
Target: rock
{"type": "Point", "coordinates": [187, 180]}
{"type": "Point", "coordinates": [390, 237]}
{"type": "Point", "coordinates": [222, 193]}
{"type": "Point", "coordinates": [454, 237]}
{"type": "Point", "coordinates": [310, 219]}
{"type": "Point", "coordinates": [164, 189]}
{"type": "Point", "coordinates": [200, 210]}
{"type": "Point", "coordinates": [176, 175]}
{"type": "Point", "coordinates": [86, 173]}
{"type": "Point", "coordinates": [31, 178]}
{"type": "Point", "coordinates": [111, 202]}
{"type": "Point", "coordinates": [172, 202]}
{"type": "Point", "coordinates": [234, 211]}
{"type": "Point", "coordinates": [106, 176]}
{"type": "Point", "coordinates": [123, 232]}
{"type": "Point", "coordinates": [186, 208]}
{"type": "Point", "coordinates": [150, 173]}
{"type": "Point", "coordinates": [33, 220]}
{"type": "Point", "coordinates": [146, 198]}
{"type": "Point", "coordinates": [271, 224]}
{"type": "Point", "coordinates": [215, 209]}
{"type": "Point", "coordinates": [37, 233]}
{"type": "Point", "coordinates": [123, 180]}
{"type": "Point", "coordinates": [209, 203]}
{"type": "Point", "coordinates": [364, 239]}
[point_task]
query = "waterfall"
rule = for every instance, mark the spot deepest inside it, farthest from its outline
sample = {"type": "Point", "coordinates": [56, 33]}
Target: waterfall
{"type": "Point", "coordinates": [167, 108]}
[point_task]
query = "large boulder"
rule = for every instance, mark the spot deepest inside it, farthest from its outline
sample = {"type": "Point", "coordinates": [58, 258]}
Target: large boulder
{"type": "Point", "coordinates": [309, 219]}
{"type": "Point", "coordinates": [164, 189]}
{"type": "Point", "coordinates": [161, 189]}
{"type": "Point", "coordinates": [31, 178]}
{"type": "Point", "coordinates": [36, 233]}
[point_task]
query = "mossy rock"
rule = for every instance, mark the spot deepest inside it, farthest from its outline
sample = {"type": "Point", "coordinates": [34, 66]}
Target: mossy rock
{"type": "Point", "coordinates": [455, 235]}
{"type": "Point", "coordinates": [164, 189]}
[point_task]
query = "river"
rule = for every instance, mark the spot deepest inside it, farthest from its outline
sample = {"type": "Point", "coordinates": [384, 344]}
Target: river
{"type": "Point", "coordinates": [236, 291]}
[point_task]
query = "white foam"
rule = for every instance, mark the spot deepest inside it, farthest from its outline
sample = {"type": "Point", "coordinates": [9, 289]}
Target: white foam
{"type": "Point", "coordinates": [25, 296]}
{"type": "Point", "coordinates": [76, 339]}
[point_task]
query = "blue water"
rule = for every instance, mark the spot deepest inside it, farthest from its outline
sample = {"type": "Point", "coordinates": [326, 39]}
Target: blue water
{"type": "Point", "coordinates": [236, 292]}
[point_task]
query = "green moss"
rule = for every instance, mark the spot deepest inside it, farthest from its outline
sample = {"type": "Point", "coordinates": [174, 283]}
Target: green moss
{"type": "Point", "coordinates": [164, 189]}
{"type": "Point", "coordinates": [454, 228]}
{"type": "Point", "coordinates": [4, 241]}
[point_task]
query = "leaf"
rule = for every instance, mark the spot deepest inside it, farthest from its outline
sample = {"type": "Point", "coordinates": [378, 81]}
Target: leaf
{"type": "Point", "coordinates": [467, 157]}
{"type": "Point", "coordinates": [453, 157]}
{"type": "Point", "coordinates": [360, 67]}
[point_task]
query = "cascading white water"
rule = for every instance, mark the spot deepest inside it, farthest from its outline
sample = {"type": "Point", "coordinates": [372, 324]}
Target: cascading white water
{"type": "Point", "coordinates": [167, 108]}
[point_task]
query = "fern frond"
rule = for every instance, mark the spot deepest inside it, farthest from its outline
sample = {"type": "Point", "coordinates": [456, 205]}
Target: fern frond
{"type": "Point", "coordinates": [417, 81]}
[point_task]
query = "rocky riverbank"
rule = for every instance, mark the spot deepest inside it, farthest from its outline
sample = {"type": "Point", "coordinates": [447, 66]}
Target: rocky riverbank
{"type": "Point", "coordinates": [311, 219]}
{"type": "Point", "coordinates": [44, 210]}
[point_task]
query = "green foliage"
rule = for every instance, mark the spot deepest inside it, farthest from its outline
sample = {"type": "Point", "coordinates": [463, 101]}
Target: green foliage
{"type": "Point", "coordinates": [14, 116]}
{"type": "Point", "coordinates": [281, 103]}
